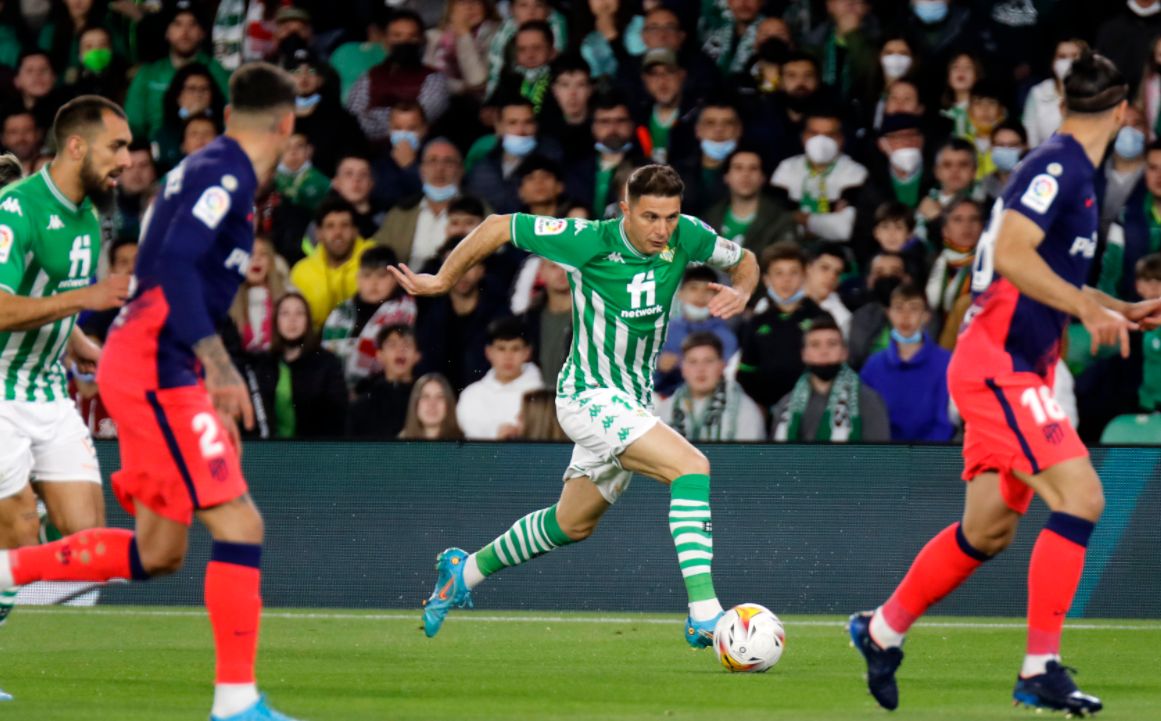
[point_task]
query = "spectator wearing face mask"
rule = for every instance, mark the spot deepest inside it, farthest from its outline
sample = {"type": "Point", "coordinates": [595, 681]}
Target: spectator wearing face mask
{"type": "Point", "coordinates": [1009, 143]}
{"type": "Point", "coordinates": [896, 60]}
{"type": "Point", "coordinates": [1042, 109]}
{"type": "Point", "coordinates": [492, 177]}
{"type": "Point", "coordinates": [589, 178]}
{"type": "Point", "coordinates": [869, 330]}
{"type": "Point", "coordinates": [898, 174]}
{"type": "Point", "coordinates": [692, 316]}
{"type": "Point", "coordinates": [1123, 168]}
{"type": "Point", "coordinates": [707, 406]}
{"type": "Point", "coordinates": [1136, 233]}
{"type": "Point", "coordinates": [828, 402]}
{"type": "Point", "coordinates": [417, 227]}
{"type": "Point", "coordinates": [823, 185]}
{"type": "Point", "coordinates": [319, 113]}
{"type": "Point", "coordinates": [910, 374]}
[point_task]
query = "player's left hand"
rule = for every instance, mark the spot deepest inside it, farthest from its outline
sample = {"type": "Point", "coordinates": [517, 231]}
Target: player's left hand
{"type": "Point", "coordinates": [417, 284]}
{"type": "Point", "coordinates": [1146, 313]}
{"type": "Point", "coordinates": [727, 302]}
{"type": "Point", "coordinates": [85, 354]}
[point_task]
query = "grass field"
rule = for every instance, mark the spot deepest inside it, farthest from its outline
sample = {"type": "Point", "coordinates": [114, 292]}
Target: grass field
{"type": "Point", "coordinates": [156, 664]}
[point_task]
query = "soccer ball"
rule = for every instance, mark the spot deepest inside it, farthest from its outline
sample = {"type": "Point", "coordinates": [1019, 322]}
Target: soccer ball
{"type": "Point", "coordinates": [749, 638]}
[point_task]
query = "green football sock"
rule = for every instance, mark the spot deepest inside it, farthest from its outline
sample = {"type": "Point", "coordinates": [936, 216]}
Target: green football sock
{"type": "Point", "coordinates": [531, 536]}
{"type": "Point", "coordinates": [7, 602]}
{"type": "Point", "coordinates": [689, 524]}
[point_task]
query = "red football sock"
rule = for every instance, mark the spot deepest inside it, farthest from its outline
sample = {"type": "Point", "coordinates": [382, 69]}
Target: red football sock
{"type": "Point", "coordinates": [944, 563]}
{"type": "Point", "coordinates": [95, 554]}
{"type": "Point", "coordinates": [1053, 575]}
{"type": "Point", "coordinates": [234, 602]}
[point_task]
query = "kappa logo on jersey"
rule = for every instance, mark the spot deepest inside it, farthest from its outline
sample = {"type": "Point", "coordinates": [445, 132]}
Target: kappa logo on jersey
{"type": "Point", "coordinates": [212, 206]}
{"type": "Point", "coordinates": [239, 260]}
{"type": "Point", "coordinates": [550, 226]}
{"type": "Point", "coordinates": [615, 258]}
{"type": "Point", "coordinates": [7, 240]}
{"type": "Point", "coordinates": [12, 205]}
{"type": "Point", "coordinates": [54, 223]}
{"type": "Point", "coordinates": [579, 225]}
{"type": "Point", "coordinates": [1084, 246]}
{"type": "Point", "coordinates": [1040, 193]}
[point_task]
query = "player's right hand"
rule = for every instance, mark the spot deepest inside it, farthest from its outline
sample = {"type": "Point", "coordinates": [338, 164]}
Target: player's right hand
{"type": "Point", "coordinates": [419, 283]}
{"type": "Point", "coordinates": [1107, 327]}
{"type": "Point", "coordinates": [112, 292]}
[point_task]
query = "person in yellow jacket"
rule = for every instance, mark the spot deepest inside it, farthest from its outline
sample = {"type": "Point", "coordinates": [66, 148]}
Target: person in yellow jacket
{"type": "Point", "coordinates": [327, 276]}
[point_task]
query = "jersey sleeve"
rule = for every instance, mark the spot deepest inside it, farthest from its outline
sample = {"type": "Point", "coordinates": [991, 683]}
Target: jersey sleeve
{"type": "Point", "coordinates": [570, 242]}
{"type": "Point", "coordinates": [15, 242]}
{"type": "Point", "coordinates": [706, 246]}
{"type": "Point", "coordinates": [203, 208]}
{"type": "Point", "coordinates": [1039, 191]}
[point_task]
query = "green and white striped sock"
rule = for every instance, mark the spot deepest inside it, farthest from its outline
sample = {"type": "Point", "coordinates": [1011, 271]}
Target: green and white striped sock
{"type": "Point", "coordinates": [689, 524]}
{"type": "Point", "coordinates": [7, 602]}
{"type": "Point", "coordinates": [533, 535]}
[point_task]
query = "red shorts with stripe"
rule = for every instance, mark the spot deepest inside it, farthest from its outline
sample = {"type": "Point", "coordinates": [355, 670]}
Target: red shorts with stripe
{"type": "Point", "coordinates": [1012, 422]}
{"type": "Point", "coordinates": [176, 457]}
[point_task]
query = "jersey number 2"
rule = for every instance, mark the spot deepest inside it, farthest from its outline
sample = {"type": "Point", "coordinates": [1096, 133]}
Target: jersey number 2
{"type": "Point", "coordinates": [1042, 404]}
{"type": "Point", "coordinates": [206, 426]}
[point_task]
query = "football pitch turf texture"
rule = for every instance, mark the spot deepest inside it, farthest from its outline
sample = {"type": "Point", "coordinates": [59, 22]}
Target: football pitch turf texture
{"type": "Point", "coordinates": [156, 663]}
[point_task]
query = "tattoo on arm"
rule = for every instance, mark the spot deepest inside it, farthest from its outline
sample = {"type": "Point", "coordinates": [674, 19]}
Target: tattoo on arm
{"type": "Point", "coordinates": [218, 365]}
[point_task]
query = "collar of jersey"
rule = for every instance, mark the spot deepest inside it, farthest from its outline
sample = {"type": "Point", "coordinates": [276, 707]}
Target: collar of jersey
{"type": "Point", "coordinates": [60, 198]}
{"type": "Point", "coordinates": [625, 239]}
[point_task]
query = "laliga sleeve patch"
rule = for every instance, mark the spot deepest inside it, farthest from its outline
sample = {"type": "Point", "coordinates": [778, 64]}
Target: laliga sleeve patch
{"type": "Point", "coordinates": [212, 206]}
{"type": "Point", "coordinates": [1040, 193]}
{"type": "Point", "coordinates": [550, 226]}
{"type": "Point", "coordinates": [7, 240]}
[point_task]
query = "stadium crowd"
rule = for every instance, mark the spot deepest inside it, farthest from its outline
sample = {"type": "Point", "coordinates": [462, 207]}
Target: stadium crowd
{"type": "Point", "coordinates": [855, 146]}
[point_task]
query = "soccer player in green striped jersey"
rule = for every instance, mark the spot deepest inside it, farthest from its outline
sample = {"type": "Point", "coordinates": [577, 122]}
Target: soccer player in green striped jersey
{"type": "Point", "coordinates": [50, 240]}
{"type": "Point", "coordinates": [623, 274]}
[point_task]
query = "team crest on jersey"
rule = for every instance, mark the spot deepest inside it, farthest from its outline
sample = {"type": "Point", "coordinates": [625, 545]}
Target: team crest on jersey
{"type": "Point", "coordinates": [667, 254]}
{"type": "Point", "coordinates": [229, 182]}
{"type": "Point", "coordinates": [550, 226]}
{"type": "Point", "coordinates": [1055, 169]}
{"type": "Point", "coordinates": [212, 206]}
{"type": "Point", "coordinates": [1040, 193]}
{"type": "Point", "coordinates": [7, 239]}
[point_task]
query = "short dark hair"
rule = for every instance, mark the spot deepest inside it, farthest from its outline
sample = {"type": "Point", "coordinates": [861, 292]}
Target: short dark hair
{"type": "Point", "coordinates": [1148, 267]}
{"type": "Point", "coordinates": [400, 329]}
{"type": "Point", "coordinates": [537, 26]}
{"type": "Point", "coordinates": [801, 56]}
{"type": "Point", "coordinates": [909, 291]}
{"type": "Point", "coordinates": [822, 321]}
{"type": "Point", "coordinates": [571, 62]}
{"type": "Point", "coordinates": [894, 211]}
{"type": "Point", "coordinates": [79, 115]}
{"type": "Point", "coordinates": [826, 111]}
{"type": "Point", "coordinates": [745, 149]}
{"type": "Point", "coordinates": [377, 257]}
{"type": "Point", "coordinates": [10, 169]}
{"type": "Point", "coordinates": [654, 179]}
{"type": "Point", "coordinates": [33, 52]}
{"type": "Point", "coordinates": [700, 339]}
{"type": "Point", "coordinates": [261, 88]}
{"type": "Point", "coordinates": [956, 145]}
{"type": "Point", "coordinates": [1094, 85]}
{"type": "Point", "coordinates": [513, 100]}
{"type": "Point", "coordinates": [963, 200]}
{"type": "Point", "coordinates": [334, 203]}
{"type": "Point", "coordinates": [1153, 146]}
{"type": "Point", "coordinates": [118, 243]}
{"type": "Point", "coordinates": [782, 250]}
{"type": "Point", "coordinates": [609, 100]}
{"type": "Point", "coordinates": [835, 250]}
{"type": "Point", "coordinates": [468, 205]}
{"type": "Point", "coordinates": [1015, 127]}
{"type": "Point", "coordinates": [535, 162]}
{"type": "Point", "coordinates": [695, 273]}
{"type": "Point", "coordinates": [509, 328]}
{"type": "Point", "coordinates": [405, 15]}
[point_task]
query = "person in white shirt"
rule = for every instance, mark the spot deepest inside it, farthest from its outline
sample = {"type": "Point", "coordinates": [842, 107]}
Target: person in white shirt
{"type": "Point", "coordinates": [489, 408]}
{"type": "Point", "coordinates": [709, 406]}
{"type": "Point", "coordinates": [1042, 109]}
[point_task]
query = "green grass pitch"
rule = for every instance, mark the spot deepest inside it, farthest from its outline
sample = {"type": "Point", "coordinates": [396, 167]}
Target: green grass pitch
{"type": "Point", "coordinates": [156, 664]}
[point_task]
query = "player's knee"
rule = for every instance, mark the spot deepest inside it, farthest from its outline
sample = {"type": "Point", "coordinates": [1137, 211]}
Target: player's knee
{"type": "Point", "coordinates": [1088, 503]}
{"type": "Point", "coordinates": [580, 529]}
{"type": "Point", "coordinates": [161, 561]}
{"type": "Point", "coordinates": [991, 538]}
{"type": "Point", "coordinates": [696, 463]}
{"type": "Point", "coordinates": [80, 519]}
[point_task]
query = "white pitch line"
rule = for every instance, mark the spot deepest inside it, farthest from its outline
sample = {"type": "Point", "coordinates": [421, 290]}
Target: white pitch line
{"type": "Point", "coordinates": [623, 620]}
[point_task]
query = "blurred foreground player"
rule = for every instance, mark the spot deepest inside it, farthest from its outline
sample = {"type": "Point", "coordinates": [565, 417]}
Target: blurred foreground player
{"type": "Point", "coordinates": [178, 433]}
{"type": "Point", "coordinates": [1027, 280]}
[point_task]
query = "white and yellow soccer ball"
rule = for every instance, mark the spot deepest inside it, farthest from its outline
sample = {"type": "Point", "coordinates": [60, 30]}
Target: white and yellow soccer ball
{"type": "Point", "coordinates": [749, 638]}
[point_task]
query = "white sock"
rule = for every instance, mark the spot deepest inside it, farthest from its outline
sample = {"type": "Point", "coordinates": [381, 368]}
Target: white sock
{"type": "Point", "coordinates": [233, 698]}
{"type": "Point", "coordinates": [1036, 664]}
{"type": "Point", "coordinates": [882, 633]}
{"type": "Point", "coordinates": [472, 575]}
{"type": "Point", "coordinates": [5, 571]}
{"type": "Point", "coordinates": [704, 610]}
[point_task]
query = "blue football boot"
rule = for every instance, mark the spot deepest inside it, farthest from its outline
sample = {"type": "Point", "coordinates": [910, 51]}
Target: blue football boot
{"type": "Point", "coordinates": [700, 634]}
{"type": "Point", "coordinates": [260, 711]}
{"type": "Point", "coordinates": [1054, 689]}
{"type": "Point", "coordinates": [881, 662]}
{"type": "Point", "coordinates": [450, 590]}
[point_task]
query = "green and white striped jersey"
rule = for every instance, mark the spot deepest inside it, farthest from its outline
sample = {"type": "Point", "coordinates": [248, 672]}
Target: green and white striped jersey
{"type": "Point", "coordinates": [48, 245]}
{"type": "Point", "coordinates": [620, 298]}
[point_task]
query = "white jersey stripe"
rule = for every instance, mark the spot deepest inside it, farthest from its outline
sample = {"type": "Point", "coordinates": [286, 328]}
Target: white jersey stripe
{"type": "Point", "coordinates": [599, 327]}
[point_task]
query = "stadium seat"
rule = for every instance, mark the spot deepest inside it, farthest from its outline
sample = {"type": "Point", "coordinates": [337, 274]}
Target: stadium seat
{"type": "Point", "coordinates": [1134, 430]}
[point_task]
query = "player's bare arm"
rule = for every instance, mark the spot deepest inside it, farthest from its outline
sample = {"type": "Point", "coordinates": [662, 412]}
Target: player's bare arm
{"type": "Point", "coordinates": [84, 352]}
{"type": "Point", "coordinates": [731, 300]}
{"type": "Point", "coordinates": [486, 239]}
{"type": "Point", "coordinates": [229, 392]}
{"type": "Point", "coordinates": [1018, 261]}
{"type": "Point", "coordinates": [18, 312]}
{"type": "Point", "coordinates": [1146, 313]}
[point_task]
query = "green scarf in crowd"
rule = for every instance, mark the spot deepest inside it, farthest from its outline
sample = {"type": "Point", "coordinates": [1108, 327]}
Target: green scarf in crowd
{"type": "Point", "coordinates": [840, 422]}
